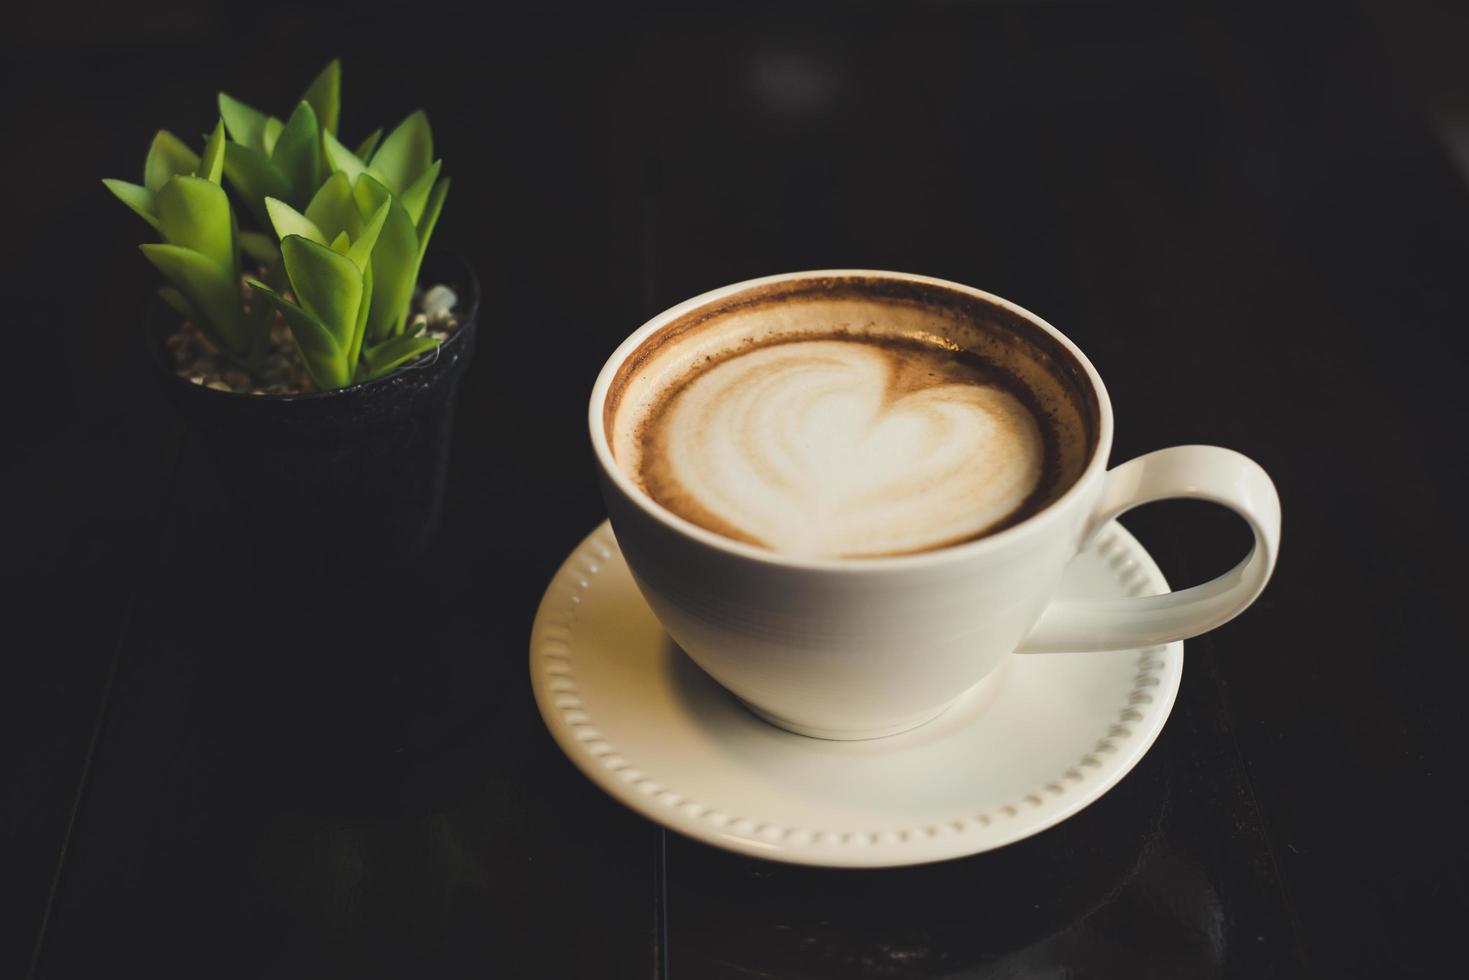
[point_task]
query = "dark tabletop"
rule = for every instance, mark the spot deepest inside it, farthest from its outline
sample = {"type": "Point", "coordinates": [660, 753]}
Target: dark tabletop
{"type": "Point", "coordinates": [1240, 212]}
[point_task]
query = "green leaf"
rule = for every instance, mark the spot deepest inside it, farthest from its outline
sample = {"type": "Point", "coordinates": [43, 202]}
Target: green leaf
{"type": "Point", "coordinates": [394, 353]}
{"type": "Point", "coordinates": [326, 284]}
{"type": "Point", "coordinates": [137, 197]}
{"type": "Point", "coordinates": [167, 157]}
{"type": "Point", "coordinates": [406, 152]}
{"type": "Point", "coordinates": [210, 288]}
{"type": "Point", "coordinates": [273, 129]}
{"type": "Point", "coordinates": [261, 317]}
{"type": "Point", "coordinates": [298, 154]}
{"type": "Point", "coordinates": [340, 159]}
{"type": "Point", "coordinates": [334, 209]}
{"type": "Point", "coordinates": [394, 259]}
{"type": "Point", "coordinates": [246, 124]}
{"type": "Point", "coordinates": [257, 339]}
{"type": "Point", "coordinates": [325, 95]}
{"type": "Point", "coordinates": [416, 195]}
{"type": "Point", "coordinates": [195, 213]}
{"type": "Point", "coordinates": [211, 164]}
{"type": "Point", "coordinates": [254, 178]}
{"type": "Point", "coordinates": [178, 302]}
{"type": "Point", "coordinates": [286, 220]}
{"type": "Point", "coordinates": [341, 243]}
{"type": "Point", "coordinates": [359, 329]}
{"type": "Point", "coordinates": [361, 250]}
{"type": "Point", "coordinates": [431, 217]}
{"type": "Point", "coordinates": [366, 147]}
{"type": "Point", "coordinates": [261, 248]}
{"type": "Point", "coordinates": [319, 351]}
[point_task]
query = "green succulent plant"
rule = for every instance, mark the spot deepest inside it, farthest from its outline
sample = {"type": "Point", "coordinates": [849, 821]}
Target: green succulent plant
{"type": "Point", "coordinates": [351, 227]}
{"type": "Point", "coordinates": [182, 199]}
{"type": "Point", "coordinates": [342, 257]}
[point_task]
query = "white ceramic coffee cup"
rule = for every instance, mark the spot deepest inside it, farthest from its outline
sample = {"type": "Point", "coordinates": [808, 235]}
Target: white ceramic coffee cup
{"type": "Point", "coordinates": [866, 647]}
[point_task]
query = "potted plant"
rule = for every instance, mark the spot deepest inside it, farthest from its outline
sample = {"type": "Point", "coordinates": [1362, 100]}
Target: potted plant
{"type": "Point", "coordinates": [318, 353]}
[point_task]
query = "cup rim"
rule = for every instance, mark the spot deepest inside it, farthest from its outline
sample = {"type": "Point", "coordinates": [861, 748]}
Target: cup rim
{"type": "Point", "coordinates": [989, 543]}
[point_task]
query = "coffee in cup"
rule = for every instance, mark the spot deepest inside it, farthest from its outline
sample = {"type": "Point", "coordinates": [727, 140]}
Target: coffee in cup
{"type": "Point", "coordinates": [843, 418]}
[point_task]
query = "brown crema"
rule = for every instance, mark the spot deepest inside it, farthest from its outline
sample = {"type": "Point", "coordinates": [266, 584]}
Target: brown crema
{"type": "Point", "coordinates": [924, 336]}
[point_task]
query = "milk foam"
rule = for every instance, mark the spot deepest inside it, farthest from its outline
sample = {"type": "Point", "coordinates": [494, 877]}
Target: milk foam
{"type": "Point", "coordinates": [835, 448]}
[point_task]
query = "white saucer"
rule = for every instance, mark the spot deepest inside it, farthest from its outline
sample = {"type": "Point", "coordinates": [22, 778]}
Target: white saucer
{"type": "Point", "coordinates": [1033, 743]}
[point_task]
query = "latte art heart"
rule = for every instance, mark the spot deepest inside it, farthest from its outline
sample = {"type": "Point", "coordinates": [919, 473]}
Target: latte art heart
{"type": "Point", "coordinates": [843, 448]}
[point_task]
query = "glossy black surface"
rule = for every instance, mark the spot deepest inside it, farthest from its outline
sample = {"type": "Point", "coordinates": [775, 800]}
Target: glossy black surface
{"type": "Point", "coordinates": [1240, 213]}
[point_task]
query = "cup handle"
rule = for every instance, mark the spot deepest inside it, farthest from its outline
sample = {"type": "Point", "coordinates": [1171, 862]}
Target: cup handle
{"type": "Point", "coordinates": [1221, 476]}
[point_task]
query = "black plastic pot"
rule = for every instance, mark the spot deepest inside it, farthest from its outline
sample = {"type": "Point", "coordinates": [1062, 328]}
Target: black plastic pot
{"type": "Point", "coordinates": [336, 485]}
